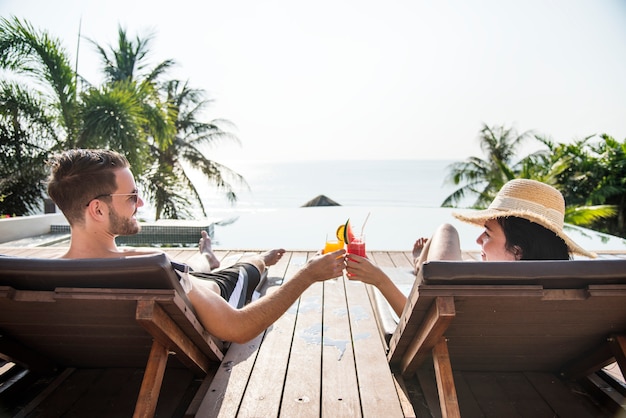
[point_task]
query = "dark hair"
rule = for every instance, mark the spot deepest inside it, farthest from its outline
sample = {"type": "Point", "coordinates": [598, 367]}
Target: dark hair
{"type": "Point", "coordinates": [533, 240]}
{"type": "Point", "coordinates": [79, 175]}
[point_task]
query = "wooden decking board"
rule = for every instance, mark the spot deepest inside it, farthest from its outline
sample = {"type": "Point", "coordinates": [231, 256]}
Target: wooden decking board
{"type": "Point", "coordinates": [302, 396]}
{"type": "Point", "coordinates": [110, 384]}
{"type": "Point", "coordinates": [377, 389]}
{"type": "Point", "coordinates": [528, 402]}
{"type": "Point", "coordinates": [341, 389]}
{"type": "Point", "coordinates": [560, 397]}
{"type": "Point", "coordinates": [263, 394]}
{"type": "Point", "coordinates": [68, 394]}
{"type": "Point", "coordinates": [428, 386]}
{"type": "Point", "coordinates": [226, 389]}
{"type": "Point", "coordinates": [494, 401]}
{"type": "Point", "coordinates": [468, 404]}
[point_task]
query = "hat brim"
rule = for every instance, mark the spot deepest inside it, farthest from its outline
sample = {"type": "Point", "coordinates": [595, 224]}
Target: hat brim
{"type": "Point", "coordinates": [479, 217]}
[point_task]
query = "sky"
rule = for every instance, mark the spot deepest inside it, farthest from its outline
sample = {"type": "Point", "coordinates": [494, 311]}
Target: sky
{"type": "Point", "coordinates": [365, 79]}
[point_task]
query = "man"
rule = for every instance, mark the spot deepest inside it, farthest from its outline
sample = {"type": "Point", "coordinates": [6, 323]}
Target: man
{"type": "Point", "coordinates": [96, 192]}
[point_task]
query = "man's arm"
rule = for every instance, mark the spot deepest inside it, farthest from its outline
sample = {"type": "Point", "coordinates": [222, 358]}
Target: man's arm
{"type": "Point", "coordinates": [241, 325]}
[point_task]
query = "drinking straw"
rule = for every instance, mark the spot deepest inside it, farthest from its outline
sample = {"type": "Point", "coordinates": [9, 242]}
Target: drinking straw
{"type": "Point", "coordinates": [364, 222]}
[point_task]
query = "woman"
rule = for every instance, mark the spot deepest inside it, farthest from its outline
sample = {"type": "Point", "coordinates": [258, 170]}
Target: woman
{"type": "Point", "coordinates": [524, 222]}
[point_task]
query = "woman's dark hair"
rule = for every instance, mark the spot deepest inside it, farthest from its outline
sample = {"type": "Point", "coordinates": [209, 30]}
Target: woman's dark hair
{"type": "Point", "coordinates": [533, 240]}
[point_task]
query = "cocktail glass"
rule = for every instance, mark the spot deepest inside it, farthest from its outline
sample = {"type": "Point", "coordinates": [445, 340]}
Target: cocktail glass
{"type": "Point", "coordinates": [332, 244]}
{"type": "Point", "coordinates": [357, 245]}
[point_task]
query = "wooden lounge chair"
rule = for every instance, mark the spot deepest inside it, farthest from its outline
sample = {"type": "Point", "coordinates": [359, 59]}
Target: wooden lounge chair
{"type": "Point", "coordinates": [563, 317]}
{"type": "Point", "coordinates": [98, 313]}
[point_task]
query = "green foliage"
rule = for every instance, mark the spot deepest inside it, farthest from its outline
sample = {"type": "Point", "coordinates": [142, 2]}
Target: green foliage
{"type": "Point", "coordinates": [590, 173]}
{"type": "Point", "coordinates": [154, 121]}
{"type": "Point", "coordinates": [484, 177]}
{"type": "Point", "coordinates": [25, 130]}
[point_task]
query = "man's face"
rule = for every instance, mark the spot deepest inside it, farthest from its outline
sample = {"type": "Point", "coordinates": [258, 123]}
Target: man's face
{"type": "Point", "coordinates": [124, 205]}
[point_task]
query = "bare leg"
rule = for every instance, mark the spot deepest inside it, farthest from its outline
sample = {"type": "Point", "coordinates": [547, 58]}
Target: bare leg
{"type": "Point", "coordinates": [205, 249]}
{"type": "Point", "coordinates": [443, 245]}
{"type": "Point", "coordinates": [266, 259]}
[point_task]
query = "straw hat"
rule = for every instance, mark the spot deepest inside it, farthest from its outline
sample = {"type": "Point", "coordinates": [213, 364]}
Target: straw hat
{"type": "Point", "coordinates": [530, 200]}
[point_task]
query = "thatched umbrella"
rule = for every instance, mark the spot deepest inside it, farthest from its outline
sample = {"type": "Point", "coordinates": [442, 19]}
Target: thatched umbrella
{"type": "Point", "coordinates": [321, 200]}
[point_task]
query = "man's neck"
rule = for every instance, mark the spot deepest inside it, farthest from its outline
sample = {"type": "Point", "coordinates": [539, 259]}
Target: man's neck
{"type": "Point", "coordinates": [96, 244]}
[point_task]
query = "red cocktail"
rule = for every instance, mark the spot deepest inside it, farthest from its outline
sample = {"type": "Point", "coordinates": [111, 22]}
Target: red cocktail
{"type": "Point", "coordinates": [357, 246]}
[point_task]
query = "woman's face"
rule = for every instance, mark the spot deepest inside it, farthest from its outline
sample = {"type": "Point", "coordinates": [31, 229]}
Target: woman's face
{"type": "Point", "coordinates": [492, 242]}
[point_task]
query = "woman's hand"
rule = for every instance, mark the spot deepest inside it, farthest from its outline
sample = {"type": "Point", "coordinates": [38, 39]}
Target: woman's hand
{"type": "Point", "coordinates": [362, 269]}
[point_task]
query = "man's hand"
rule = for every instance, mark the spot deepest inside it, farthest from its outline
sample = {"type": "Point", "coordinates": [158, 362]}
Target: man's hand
{"type": "Point", "coordinates": [324, 266]}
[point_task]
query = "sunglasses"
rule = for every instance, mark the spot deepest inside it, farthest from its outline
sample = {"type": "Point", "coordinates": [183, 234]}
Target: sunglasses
{"type": "Point", "coordinates": [134, 196]}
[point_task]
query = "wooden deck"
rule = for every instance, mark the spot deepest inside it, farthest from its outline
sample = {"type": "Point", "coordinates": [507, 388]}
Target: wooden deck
{"type": "Point", "coordinates": [324, 357]}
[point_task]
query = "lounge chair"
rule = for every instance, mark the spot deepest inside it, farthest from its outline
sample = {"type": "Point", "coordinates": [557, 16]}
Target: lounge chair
{"type": "Point", "coordinates": [563, 317]}
{"type": "Point", "coordinates": [98, 313]}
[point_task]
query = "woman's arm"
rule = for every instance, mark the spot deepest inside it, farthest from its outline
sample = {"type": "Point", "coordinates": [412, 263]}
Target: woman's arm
{"type": "Point", "coordinates": [362, 269]}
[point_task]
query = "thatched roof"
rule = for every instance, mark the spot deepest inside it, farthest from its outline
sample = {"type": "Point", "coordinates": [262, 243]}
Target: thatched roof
{"type": "Point", "coordinates": [321, 200]}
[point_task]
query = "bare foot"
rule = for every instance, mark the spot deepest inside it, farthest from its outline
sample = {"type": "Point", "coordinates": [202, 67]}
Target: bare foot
{"type": "Point", "coordinates": [418, 247]}
{"type": "Point", "coordinates": [417, 251]}
{"type": "Point", "coordinates": [271, 257]}
{"type": "Point", "coordinates": [205, 249]}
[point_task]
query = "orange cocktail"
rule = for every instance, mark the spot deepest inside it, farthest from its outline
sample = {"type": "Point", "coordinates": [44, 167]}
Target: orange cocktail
{"type": "Point", "coordinates": [333, 245]}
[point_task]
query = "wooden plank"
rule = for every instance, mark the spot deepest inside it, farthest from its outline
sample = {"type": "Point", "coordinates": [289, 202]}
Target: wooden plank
{"type": "Point", "coordinates": [428, 383]}
{"type": "Point", "coordinates": [618, 347]}
{"type": "Point", "coordinates": [203, 390]}
{"type": "Point", "coordinates": [468, 405]}
{"type": "Point", "coordinates": [405, 400]}
{"type": "Point", "coordinates": [377, 389]}
{"type": "Point", "coordinates": [182, 314]}
{"type": "Point", "coordinates": [301, 390]}
{"type": "Point", "coordinates": [62, 400]}
{"type": "Point", "coordinates": [523, 396]}
{"type": "Point", "coordinates": [382, 259]}
{"type": "Point", "coordinates": [559, 397]}
{"type": "Point", "coordinates": [264, 392]}
{"type": "Point", "coordinates": [430, 332]}
{"type": "Point", "coordinates": [226, 389]}
{"type": "Point", "coordinates": [402, 260]}
{"type": "Point", "coordinates": [340, 389]}
{"type": "Point", "coordinates": [491, 397]}
{"type": "Point", "coordinates": [445, 381]}
{"type": "Point", "coordinates": [152, 379]}
{"type": "Point", "coordinates": [163, 329]}
{"type": "Point", "coordinates": [44, 394]}
{"type": "Point", "coordinates": [179, 384]}
{"type": "Point", "coordinates": [114, 393]}
{"type": "Point", "coordinates": [307, 370]}
{"type": "Point", "coordinates": [606, 393]}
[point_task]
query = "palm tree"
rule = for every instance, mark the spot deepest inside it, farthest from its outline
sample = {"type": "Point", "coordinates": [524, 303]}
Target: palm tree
{"type": "Point", "coordinates": [24, 129]}
{"type": "Point", "coordinates": [175, 139]}
{"type": "Point", "coordinates": [131, 112]}
{"type": "Point", "coordinates": [609, 182]}
{"type": "Point", "coordinates": [32, 120]}
{"type": "Point", "coordinates": [36, 55]}
{"type": "Point", "coordinates": [484, 177]}
{"type": "Point", "coordinates": [130, 95]}
{"type": "Point", "coordinates": [173, 164]}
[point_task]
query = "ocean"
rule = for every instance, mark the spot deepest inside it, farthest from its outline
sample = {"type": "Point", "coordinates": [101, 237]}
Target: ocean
{"type": "Point", "coordinates": [290, 184]}
{"type": "Point", "coordinates": [401, 201]}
